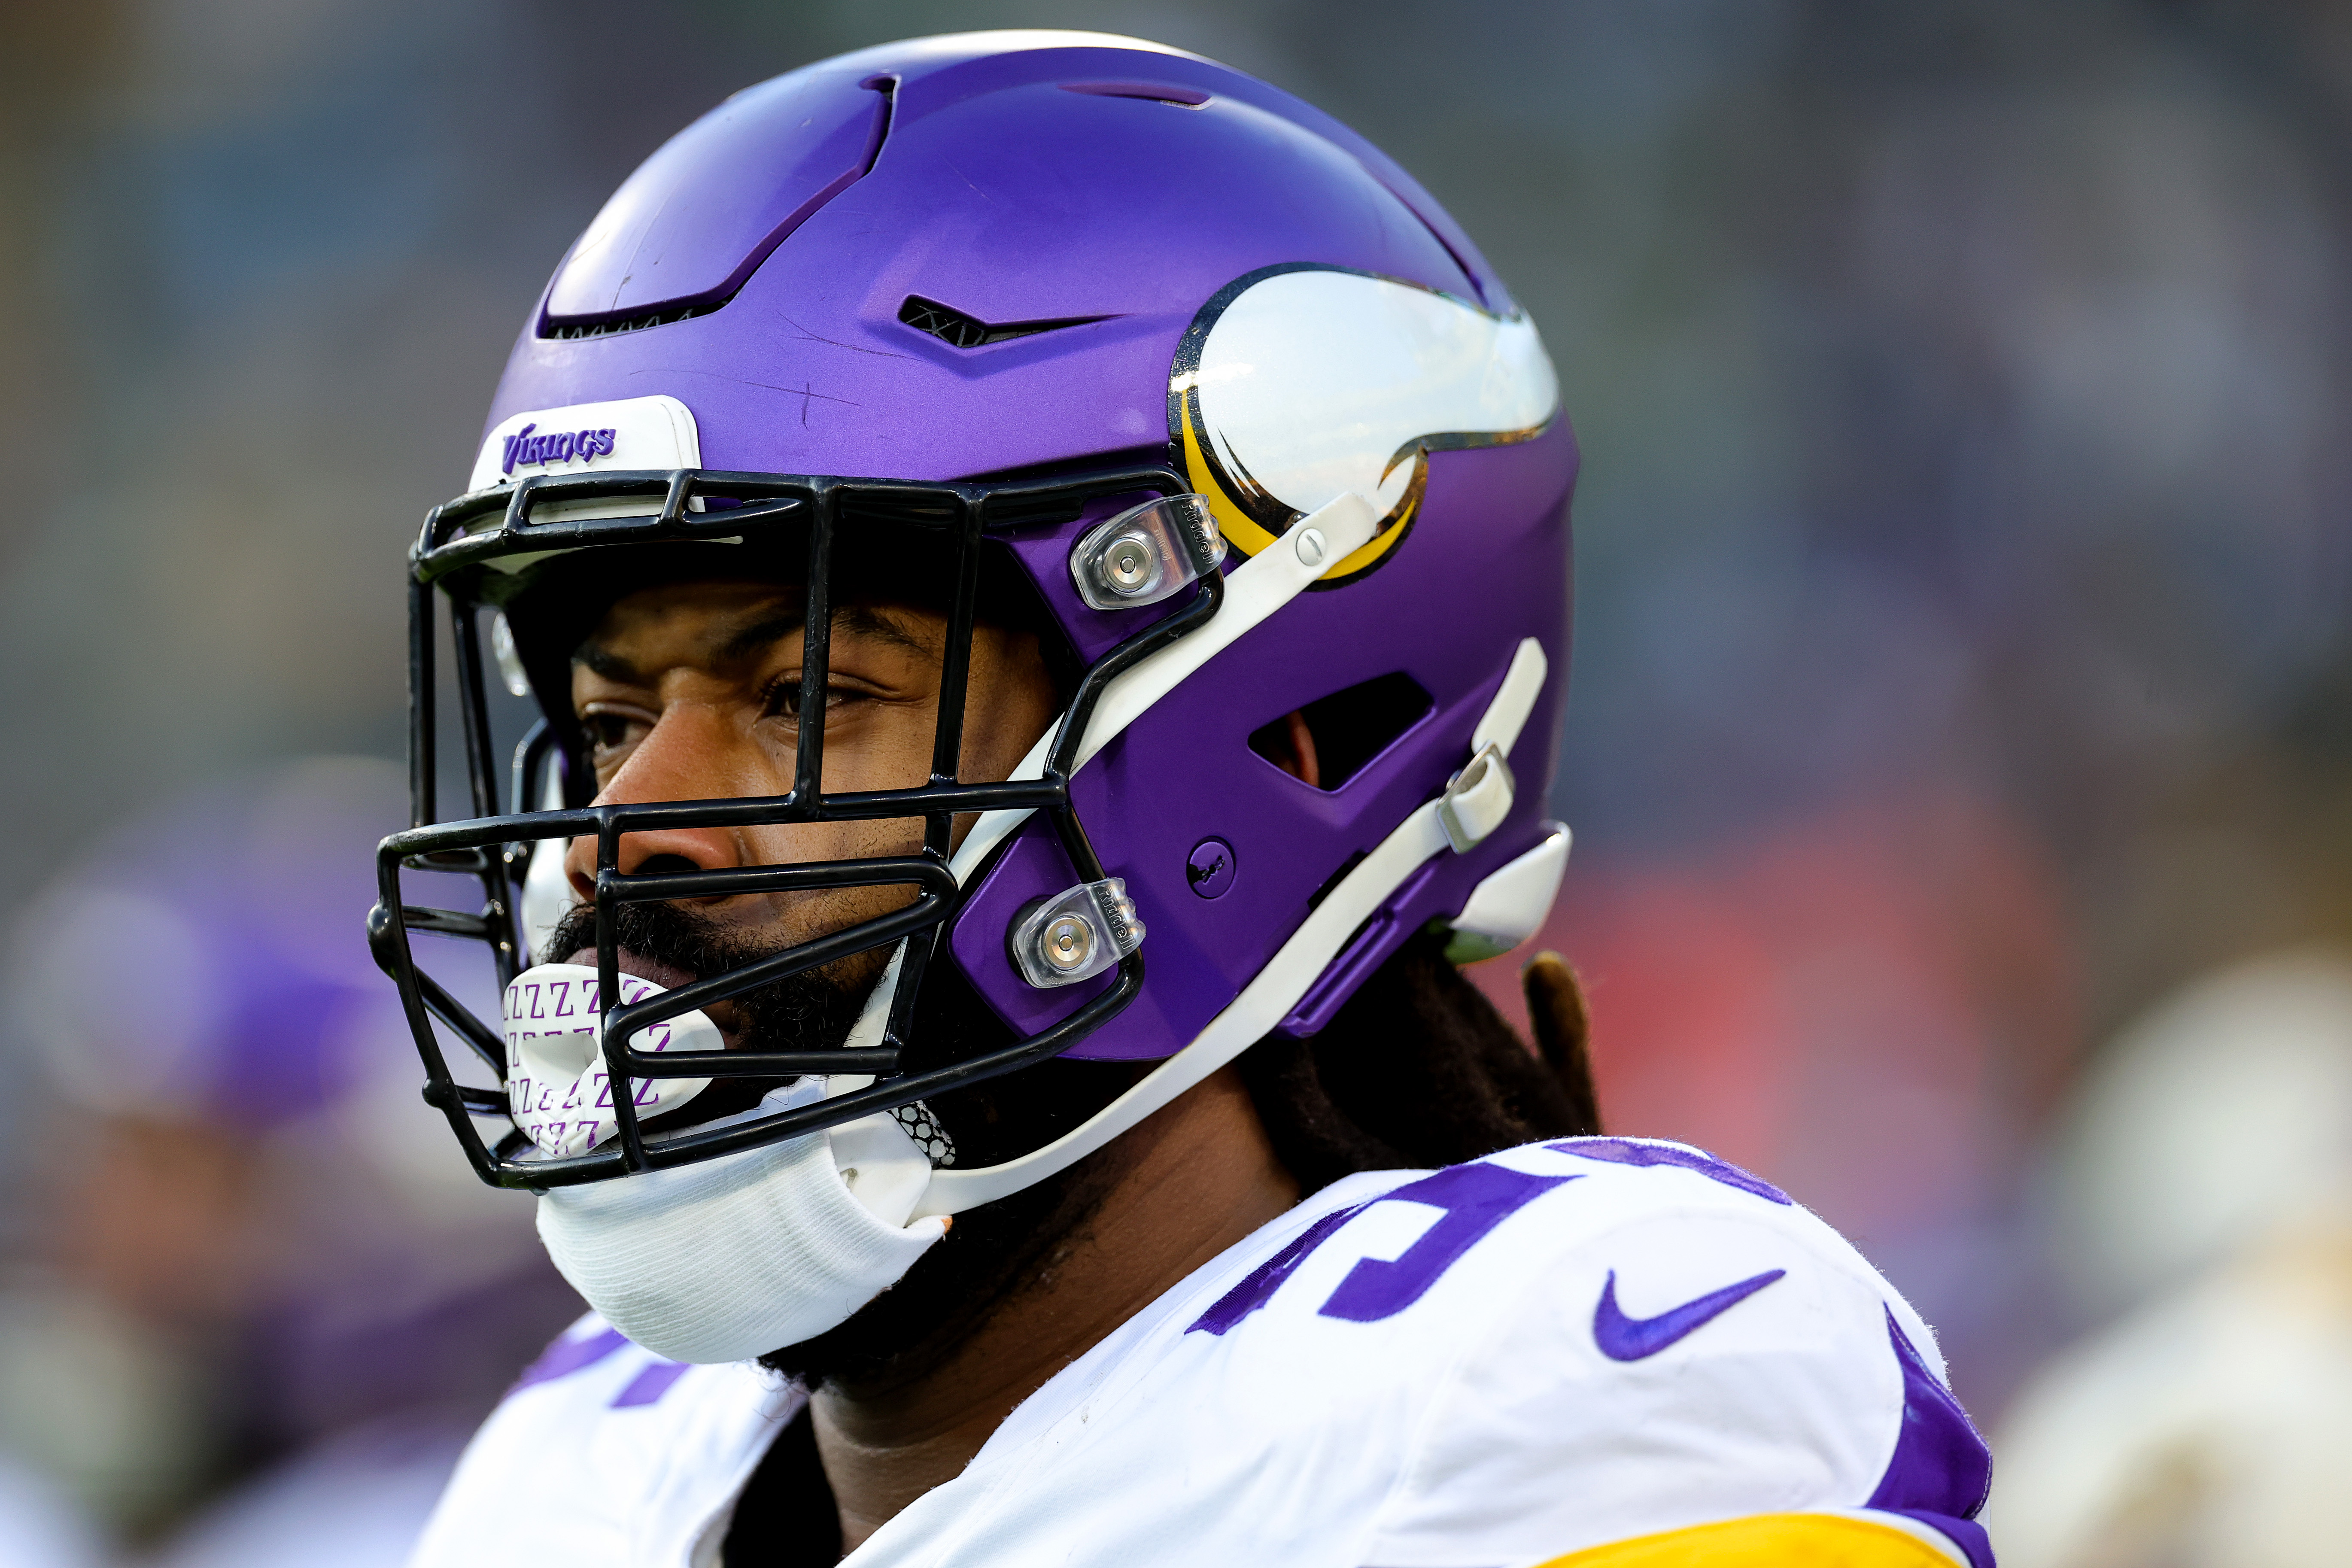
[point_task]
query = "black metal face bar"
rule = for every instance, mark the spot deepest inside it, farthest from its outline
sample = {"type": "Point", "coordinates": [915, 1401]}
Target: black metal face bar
{"type": "Point", "coordinates": [507, 520]}
{"type": "Point", "coordinates": [489, 832]}
{"type": "Point", "coordinates": [534, 752]}
{"type": "Point", "coordinates": [608, 986]}
{"type": "Point", "coordinates": [914, 961]}
{"type": "Point", "coordinates": [1062, 759]}
{"type": "Point", "coordinates": [955, 660]}
{"type": "Point", "coordinates": [473, 711]}
{"type": "Point", "coordinates": [816, 652]}
{"type": "Point", "coordinates": [470, 1029]}
{"type": "Point", "coordinates": [947, 764]}
{"type": "Point", "coordinates": [474, 716]}
{"type": "Point", "coordinates": [422, 997]}
{"type": "Point", "coordinates": [668, 887]}
{"type": "Point", "coordinates": [423, 756]}
{"type": "Point", "coordinates": [931, 904]}
{"type": "Point", "coordinates": [457, 532]}
{"type": "Point", "coordinates": [388, 942]}
{"type": "Point", "coordinates": [681, 487]}
{"type": "Point", "coordinates": [530, 755]}
{"type": "Point", "coordinates": [481, 1101]}
{"type": "Point", "coordinates": [446, 923]}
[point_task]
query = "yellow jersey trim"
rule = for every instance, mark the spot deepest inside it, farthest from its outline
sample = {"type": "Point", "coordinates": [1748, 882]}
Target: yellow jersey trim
{"type": "Point", "coordinates": [1811, 1539]}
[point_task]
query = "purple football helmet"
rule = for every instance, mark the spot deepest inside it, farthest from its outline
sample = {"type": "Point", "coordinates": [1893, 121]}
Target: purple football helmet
{"type": "Point", "coordinates": [1224, 385]}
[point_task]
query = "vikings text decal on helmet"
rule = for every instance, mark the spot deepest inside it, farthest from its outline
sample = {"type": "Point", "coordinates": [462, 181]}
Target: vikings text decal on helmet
{"type": "Point", "coordinates": [655, 432]}
{"type": "Point", "coordinates": [1296, 384]}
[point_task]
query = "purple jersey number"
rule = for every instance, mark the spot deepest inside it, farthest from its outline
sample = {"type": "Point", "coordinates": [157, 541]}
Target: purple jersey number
{"type": "Point", "coordinates": [1475, 1200]}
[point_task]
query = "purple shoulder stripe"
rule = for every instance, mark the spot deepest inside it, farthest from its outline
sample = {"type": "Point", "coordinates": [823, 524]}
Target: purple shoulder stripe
{"type": "Point", "coordinates": [1940, 1471]}
{"type": "Point", "coordinates": [1628, 1151]}
{"type": "Point", "coordinates": [1259, 1285]}
{"type": "Point", "coordinates": [650, 1384]}
{"type": "Point", "coordinates": [565, 1357]}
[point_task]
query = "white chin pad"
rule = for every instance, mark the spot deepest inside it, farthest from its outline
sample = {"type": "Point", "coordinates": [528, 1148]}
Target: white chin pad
{"type": "Point", "coordinates": [752, 1251]}
{"type": "Point", "coordinates": [556, 1082]}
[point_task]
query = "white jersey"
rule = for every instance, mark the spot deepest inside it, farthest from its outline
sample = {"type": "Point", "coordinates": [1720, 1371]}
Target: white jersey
{"type": "Point", "coordinates": [1599, 1351]}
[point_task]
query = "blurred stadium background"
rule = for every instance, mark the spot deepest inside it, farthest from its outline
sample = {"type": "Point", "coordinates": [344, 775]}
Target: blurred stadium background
{"type": "Point", "coordinates": [1962, 671]}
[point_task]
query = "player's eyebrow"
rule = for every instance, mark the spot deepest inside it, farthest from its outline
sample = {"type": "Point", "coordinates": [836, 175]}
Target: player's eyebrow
{"type": "Point", "coordinates": [603, 661]}
{"type": "Point", "coordinates": [758, 635]}
{"type": "Point", "coordinates": [864, 619]}
{"type": "Point", "coordinates": [883, 627]}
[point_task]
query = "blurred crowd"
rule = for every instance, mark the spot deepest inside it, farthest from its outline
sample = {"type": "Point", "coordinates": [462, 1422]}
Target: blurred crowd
{"type": "Point", "coordinates": [1959, 746]}
{"type": "Point", "coordinates": [252, 1300]}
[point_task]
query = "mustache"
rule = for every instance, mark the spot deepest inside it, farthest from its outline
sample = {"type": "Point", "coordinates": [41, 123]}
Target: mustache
{"type": "Point", "coordinates": [808, 1011]}
{"type": "Point", "coordinates": [813, 1010]}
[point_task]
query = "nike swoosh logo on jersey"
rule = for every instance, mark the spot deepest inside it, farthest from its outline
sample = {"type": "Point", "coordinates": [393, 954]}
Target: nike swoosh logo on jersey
{"type": "Point", "coordinates": [1622, 1338]}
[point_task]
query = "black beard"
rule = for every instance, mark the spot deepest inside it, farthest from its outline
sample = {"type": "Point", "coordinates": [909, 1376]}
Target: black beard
{"type": "Point", "coordinates": [990, 1253]}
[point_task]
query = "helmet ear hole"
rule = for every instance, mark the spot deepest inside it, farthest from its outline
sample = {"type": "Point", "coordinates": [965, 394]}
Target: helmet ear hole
{"type": "Point", "coordinates": [1347, 728]}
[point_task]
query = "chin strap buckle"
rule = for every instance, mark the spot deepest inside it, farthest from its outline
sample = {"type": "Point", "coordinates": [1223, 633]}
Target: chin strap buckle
{"type": "Point", "coordinates": [1476, 799]}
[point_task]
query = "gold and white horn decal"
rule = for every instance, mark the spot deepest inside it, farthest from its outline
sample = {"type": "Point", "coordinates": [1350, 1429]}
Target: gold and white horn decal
{"type": "Point", "coordinates": [1299, 384]}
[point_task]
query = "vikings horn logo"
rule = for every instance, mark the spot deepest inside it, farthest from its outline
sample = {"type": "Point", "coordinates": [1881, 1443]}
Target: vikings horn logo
{"type": "Point", "coordinates": [1297, 382]}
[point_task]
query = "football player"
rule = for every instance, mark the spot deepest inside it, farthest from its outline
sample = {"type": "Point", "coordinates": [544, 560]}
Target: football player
{"type": "Point", "coordinates": [1042, 562]}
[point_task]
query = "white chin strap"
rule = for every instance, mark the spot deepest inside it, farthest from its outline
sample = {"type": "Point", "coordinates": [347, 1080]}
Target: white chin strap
{"type": "Point", "coordinates": [751, 1252]}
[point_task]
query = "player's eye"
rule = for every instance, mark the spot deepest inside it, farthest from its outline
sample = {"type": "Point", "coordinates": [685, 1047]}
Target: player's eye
{"type": "Point", "coordinates": [782, 698]}
{"type": "Point", "coordinates": [610, 735]}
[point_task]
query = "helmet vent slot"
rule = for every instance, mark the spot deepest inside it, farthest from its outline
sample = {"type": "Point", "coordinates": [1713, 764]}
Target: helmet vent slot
{"type": "Point", "coordinates": [1350, 728]}
{"type": "Point", "coordinates": [1169, 93]}
{"type": "Point", "coordinates": [955, 327]}
{"type": "Point", "coordinates": [606, 326]}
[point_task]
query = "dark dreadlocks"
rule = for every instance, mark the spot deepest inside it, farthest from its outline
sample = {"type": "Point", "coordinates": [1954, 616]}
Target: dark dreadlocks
{"type": "Point", "coordinates": [1419, 1069]}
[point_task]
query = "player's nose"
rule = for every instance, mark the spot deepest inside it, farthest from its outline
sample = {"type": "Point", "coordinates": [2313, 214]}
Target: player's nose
{"type": "Point", "coordinates": [683, 757]}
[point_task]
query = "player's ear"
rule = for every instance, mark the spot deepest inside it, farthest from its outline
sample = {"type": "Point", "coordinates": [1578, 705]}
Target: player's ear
{"type": "Point", "coordinates": [1563, 1030]}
